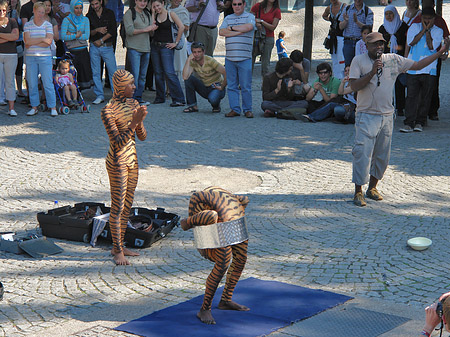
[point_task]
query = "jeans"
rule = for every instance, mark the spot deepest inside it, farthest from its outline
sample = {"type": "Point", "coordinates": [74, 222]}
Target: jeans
{"type": "Point", "coordinates": [138, 65]}
{"type": "Point", "coordinates": [97, 54]}
{"type": "Point", "coordinates": [239, 73]}
{"type": "Point", "coordinates": [194, 84]}
{"type": "Point", "coordinates": [40, 65]}
{"type": "Point", "coordinates": [276, 106]}
{"type": "Point", "coordinates": [323, 112]}
{"type": "Point", "coordinates": [349, 51]}
{"type": "Point", "coordinates": [162, 59]}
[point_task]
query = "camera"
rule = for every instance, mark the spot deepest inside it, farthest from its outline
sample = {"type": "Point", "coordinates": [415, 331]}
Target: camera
{"type": "Point", "coordinates": [439, 310]}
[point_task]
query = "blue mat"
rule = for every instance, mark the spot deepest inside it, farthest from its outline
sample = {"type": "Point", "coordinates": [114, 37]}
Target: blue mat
{"type": "Point", "coordinates": [272, 304]}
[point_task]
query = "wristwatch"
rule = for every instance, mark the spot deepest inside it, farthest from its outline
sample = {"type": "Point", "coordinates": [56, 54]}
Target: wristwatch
{"type": "Point", "coordinates": [231, 28]}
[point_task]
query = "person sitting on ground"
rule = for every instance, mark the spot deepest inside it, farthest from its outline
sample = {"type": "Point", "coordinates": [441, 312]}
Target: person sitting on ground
{"type": "Point", "coordinates": [279, 89]}
{"type": "Point", "coordinates": [281, 48]}
{"type": "Point", "coordinates": [302, 66]}
{"type": "Point", "coordinates": [203, 74]}
{"type": "Point", "coordinates": [346, 113]}
{"type": "Point", "coordinates": [322, 96]}
{"type": "Point", "coordinates": [65, 80]}
{"type": "Point", "coordinates": [360, 47]}
{"type": "Point", "coordinates": [433, 316]}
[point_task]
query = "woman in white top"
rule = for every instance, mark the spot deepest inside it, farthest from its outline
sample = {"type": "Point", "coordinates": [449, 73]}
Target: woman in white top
{"type": "Point", "coordinates": [411, 11]}
{"type": "Point", "coordinates": [180, 56]}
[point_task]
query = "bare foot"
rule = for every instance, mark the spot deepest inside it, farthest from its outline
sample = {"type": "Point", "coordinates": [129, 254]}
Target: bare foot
{"type": "Point", "coordinates": [120, 259]}
{"type": "Point", "coordinates": [206, 317]}
{"type": "Point", "coordinates": [128, 252]}
{"type": "Point", "coordinates": [230, 305]}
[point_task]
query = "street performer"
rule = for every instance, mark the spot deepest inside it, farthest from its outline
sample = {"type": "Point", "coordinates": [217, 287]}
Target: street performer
{"type": "Point", "coordinates": [123, 117]}
{"type": "Point", "coordinates": [220, 231]}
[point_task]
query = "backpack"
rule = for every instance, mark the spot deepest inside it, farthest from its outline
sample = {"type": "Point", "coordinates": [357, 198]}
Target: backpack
{"type": "Point", "coordinates": [122, 32]}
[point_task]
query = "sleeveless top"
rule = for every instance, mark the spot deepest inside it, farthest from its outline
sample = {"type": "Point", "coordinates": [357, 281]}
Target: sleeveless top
{"type": "Point", "coordinates": [164, 31]}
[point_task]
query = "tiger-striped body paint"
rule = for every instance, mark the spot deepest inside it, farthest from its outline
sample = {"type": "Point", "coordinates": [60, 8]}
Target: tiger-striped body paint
{"type": "Point", "coordinates": [212, 205]}
{"type": "Point", "coordinates": [121, 161]}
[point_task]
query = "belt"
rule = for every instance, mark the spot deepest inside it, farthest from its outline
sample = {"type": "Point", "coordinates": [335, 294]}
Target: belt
{"type": "Point", "coordinates": [159, 44]}
{"type": "Point", "coordinates": [107, 44]}
{"type": "Point", "coordinates": [210, 27]}
{"type": "Point", "coordinates": [352, 38]}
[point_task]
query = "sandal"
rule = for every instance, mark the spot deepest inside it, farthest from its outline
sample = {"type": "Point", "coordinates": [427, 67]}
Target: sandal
{"type": "Point", "coordinates": [190, 109]}
{"type": "Point", "coordinates": [216, 110]}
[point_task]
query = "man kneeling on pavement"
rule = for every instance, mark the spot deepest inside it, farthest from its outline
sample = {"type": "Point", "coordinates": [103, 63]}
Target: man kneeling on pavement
{"type": "Point", "coordinates": [203, 74]}
{"type": "Point", "coordinates": [284, 95]}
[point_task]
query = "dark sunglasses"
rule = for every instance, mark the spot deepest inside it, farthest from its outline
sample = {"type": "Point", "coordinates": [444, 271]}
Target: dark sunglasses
{"type": "Point", "coordinates": [197, 45]}
{"type": "Point", "coordinates": [237, 4]}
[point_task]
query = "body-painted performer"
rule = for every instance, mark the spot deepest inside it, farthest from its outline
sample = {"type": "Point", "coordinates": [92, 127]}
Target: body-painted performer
{"type": "Point", "coordinates": [217, 207]}
{"type": "Point", "coordinates": [123, 118]}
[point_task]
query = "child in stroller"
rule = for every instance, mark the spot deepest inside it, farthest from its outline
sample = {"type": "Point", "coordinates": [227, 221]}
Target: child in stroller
{"type": "Point", "coordinates": [65, 80]}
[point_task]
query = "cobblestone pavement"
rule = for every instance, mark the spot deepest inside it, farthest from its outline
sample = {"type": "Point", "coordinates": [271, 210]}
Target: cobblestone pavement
{"type": "Point", "coordinates": [304, 228]}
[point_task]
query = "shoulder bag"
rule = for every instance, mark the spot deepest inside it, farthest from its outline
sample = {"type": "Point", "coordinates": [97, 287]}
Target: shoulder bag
{"type": "Point", "coordinates": [259, 38]}
{"type": "Point", "coordinates": [174, 29]}
{"type": "Point", "coordinates": [76, 43]}
{"type": "Point", "coordinates": [193, 27]}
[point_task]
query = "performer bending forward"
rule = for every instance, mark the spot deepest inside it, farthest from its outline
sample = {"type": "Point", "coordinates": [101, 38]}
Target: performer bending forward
{"type": "Point", "coordinates": [122, 117]}
{"type": "Point", "coordinates": [211, 206]}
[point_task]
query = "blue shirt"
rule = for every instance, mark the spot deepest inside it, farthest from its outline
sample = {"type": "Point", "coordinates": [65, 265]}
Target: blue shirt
{"type": "Point", "coordinates": [117, 7]}
{"type": "Point", "coordinates": [352, 30]}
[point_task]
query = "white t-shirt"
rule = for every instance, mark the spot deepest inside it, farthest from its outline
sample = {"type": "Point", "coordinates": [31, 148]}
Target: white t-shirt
{"type": "Point", "coordinates": [420, 50]}
{"type": "Point", "coordinates": [373, 98]}
{"type": "Point", "coordinates": [360, 47]}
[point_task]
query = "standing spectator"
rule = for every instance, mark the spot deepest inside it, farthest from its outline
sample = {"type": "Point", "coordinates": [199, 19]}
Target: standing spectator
{"type": "Point", "coordinates": [203, 74]}
{"type": "Point", "coordinates": [9, 33]}
{"type": "Point", "coordinates": [180, 55]}
{"type": "Point", "coordinates": [103, 33]}
{"type": "Point", "coordinates": [355, 16]}
{"type": "Point", "coordinates": [238, 30]}
{"type": "Point", "coordinates": [394, 31]}
{"type": "Point", "coordinates": [163, 47]}
{"type": "Point", "coordinates": [61, 10]}
{"type": "Point", "coordinates": [411, 11]}
{"type": "Point", "coordinates": [278, 90]}
{"type": "Point", "coordinates": [373, 77]}
{"type": "Point", "coordinates": [206, 32]}
{"type": "Point", "coordinates": [117, 7]}
{"type": "Point", "coordinates": [49, 17]}
{"type": "Point", "coordinates": [75, 31]}
{"type": "Point", "coordinates": [15, 14]}
{"type": "Point", "coordinates": [333, 13]}
{"type": "Point", "coordinates": [138, 25]}
{"type": "Point", "coordinates": [281, 47]}
{"type": "Point", "coordinates": [38, 36]}
{"type": "Point", "coordinates": [268, 15]}
{"type": "Point", "coordinates": [423, 38]}
{"type": "Point", "coordinates": [26, 11]}
{"type": "Point", "coordinates": [361, 47]}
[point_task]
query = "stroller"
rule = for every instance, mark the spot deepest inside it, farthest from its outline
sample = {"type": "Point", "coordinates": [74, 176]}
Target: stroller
{"type": "Point", "coordinates": [63, 104]}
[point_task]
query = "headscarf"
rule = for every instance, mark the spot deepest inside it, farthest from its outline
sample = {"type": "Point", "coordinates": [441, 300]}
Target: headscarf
{"type": "Point", "coordinates": [76, 19]}
{"type": "Point", "coordinates": [392, 27]}
{"type": "Point", "coordinates": [120, 80]}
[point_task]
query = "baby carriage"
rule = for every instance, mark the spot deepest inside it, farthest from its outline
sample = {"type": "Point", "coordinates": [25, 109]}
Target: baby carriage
{"type": "Point", "coordinates": [63, 104]}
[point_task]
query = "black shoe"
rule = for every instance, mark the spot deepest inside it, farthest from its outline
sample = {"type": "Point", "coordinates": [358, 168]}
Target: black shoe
{"type": "Point", "coordinates": [1, 291]}
{"type": "Point", "coordinates": [434, 118]}
{"type": "Point", "coordinates": [158, 101]}
{"type": "Point", "coordinates": [175, 104]}
{"type": "Point", "coordinates": [107, 85]}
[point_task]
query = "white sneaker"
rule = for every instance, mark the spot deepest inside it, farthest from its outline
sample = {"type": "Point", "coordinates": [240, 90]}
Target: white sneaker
{"type": "Point", "coordinates": [32, 112]}
{"type": "Point", "coordinates": [418, 128]}
{"type": "Point", "coordinates": [144, 103]}
{"type": "Point", "coordinates": [12, 113]}
{"type": "Point", "coordinates": [406, 129]}
{"type": "Point", "coordinates": [98, 100]}
{"type": "Point", "coordinates": [3, 102]}
{"type": "Point", "coordinates": [54, 113]}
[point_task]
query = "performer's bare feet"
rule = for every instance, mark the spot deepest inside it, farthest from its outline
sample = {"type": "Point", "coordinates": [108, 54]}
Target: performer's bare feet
{"type": "Point", "coordinates": [128, 252]}
{"type": "Point", "coordinates": [120, 260]}
{"type": "Point", "coordinates": [206, 317]}
{"type": "Point", "coordinates": [230, 305]}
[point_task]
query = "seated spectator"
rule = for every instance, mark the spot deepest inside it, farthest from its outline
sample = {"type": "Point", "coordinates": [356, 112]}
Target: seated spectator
{"type": "Point", "coordinates": [435, 315]}
{"type": "Point", "coordinates": [38, 36]}
{"type": "Point", "coordinates": [360, 47]}
{"type": "Point", "coordinates": [203, 74]}
{"type": "Point", "coordinates": [279, 90]}
{"type": "Point", "coordinates": [323, 96]}
{"type": "Point", "coordinates": [75, 32]}
{"type": "Point", "coordinates": [302, 66]}
{"type": "Point", "coordinates": [345, 112]}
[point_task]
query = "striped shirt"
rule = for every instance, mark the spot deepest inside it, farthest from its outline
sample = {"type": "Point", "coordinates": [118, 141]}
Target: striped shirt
{"type": "Point", "coordinates": [239, 48]}
{"type": "Point", "coordinates": [208, 72]}
{"type": "Point", "coordinates": [352, 30]}
{"type": "Point", "coordinates": [38, 31]}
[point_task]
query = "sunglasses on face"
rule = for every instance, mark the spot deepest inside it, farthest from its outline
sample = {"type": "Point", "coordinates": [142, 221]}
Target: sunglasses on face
{"type": "Point", "coordinates": [237, 4]}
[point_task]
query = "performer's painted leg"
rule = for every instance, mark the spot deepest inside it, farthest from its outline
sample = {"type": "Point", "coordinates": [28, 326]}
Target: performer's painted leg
{"type": "Point", "coordinates": [131, 187]}
{"type": "Point", "coordinates": [234, 273]}
{"type": "Point", "coordinates": [222, 258]}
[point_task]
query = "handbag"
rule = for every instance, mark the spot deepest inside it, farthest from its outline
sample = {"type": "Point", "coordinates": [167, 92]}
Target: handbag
{"type": "Point", "coordinates": [75, 43]}
{"type": "Point", "coordinates": [259, 39]}
{"type": "Point", "coordinates": [193, 27]}
{"type": "Point", "coordinates": [174, 29]}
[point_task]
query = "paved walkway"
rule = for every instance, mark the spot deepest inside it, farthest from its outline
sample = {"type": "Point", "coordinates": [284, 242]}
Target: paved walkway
{"type": "Point", "coordinates": [304, 229]}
